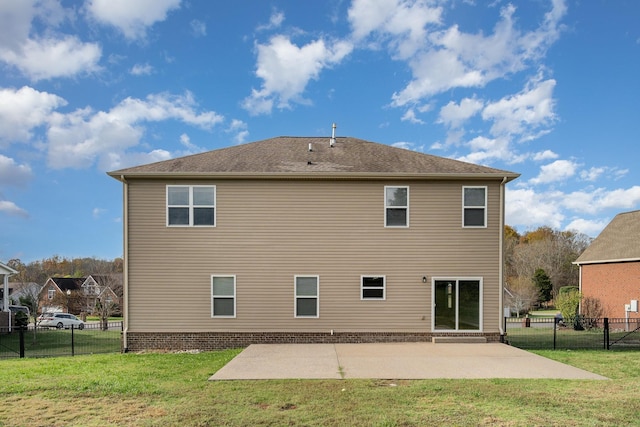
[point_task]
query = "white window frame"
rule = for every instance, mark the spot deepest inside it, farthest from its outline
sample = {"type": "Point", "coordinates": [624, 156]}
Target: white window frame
{"type": "Point", "coordinates": [296, 297]}
{"type": "Point", "coordinates": [213, 297]}
{"type": "Point", "coordinates": [51, 293]}
{"type": "Point", "coordinates": [485, 207]}
{"type": "Point", "coordinates": [191, 206]}
{"type": "Point", "coordinates": [457, 280]}
{"type": "Point", "coordinates": [395, 207]}
{"type": "Point", "coordinates": [363, 287]}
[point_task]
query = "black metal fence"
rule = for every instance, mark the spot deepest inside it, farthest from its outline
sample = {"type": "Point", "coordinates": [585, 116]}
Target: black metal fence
{"type": "Point", "coordinates": [50, 342]}
{"type": "Point", "coordinates": [586, 333]}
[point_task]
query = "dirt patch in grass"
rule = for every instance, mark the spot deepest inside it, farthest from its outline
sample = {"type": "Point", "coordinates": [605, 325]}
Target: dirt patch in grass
{"type": "Point", "coordinates": [37, 410]}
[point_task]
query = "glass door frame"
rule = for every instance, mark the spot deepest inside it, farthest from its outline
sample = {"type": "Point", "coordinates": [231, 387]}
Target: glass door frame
{"type": "Point", "coordinates": [457, 280]}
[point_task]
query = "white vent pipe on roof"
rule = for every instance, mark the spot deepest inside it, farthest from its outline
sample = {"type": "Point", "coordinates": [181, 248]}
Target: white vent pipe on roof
{"type": "Point", "coordinates": [310, 147]}
{"type": "Point", "coordinates": [332, 141]}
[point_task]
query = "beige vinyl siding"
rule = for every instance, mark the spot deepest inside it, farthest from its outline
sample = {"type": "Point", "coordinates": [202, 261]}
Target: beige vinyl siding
{"type": "Point", "coordinates": [269, 231]}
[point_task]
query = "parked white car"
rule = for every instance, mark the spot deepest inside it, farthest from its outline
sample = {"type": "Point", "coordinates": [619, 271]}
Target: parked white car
{"type": "Point", "coordinates": [60, 320]}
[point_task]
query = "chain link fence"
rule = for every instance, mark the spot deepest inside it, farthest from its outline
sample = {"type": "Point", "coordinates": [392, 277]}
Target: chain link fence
{"type": "Point", "coordinates": [51, 342]}
{"type": "Point", "coordinates": [586, 333]}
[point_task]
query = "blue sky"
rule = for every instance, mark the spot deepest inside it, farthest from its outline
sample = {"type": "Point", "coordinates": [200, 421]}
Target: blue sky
{"type": "Point", "coordinates": [545, 88]}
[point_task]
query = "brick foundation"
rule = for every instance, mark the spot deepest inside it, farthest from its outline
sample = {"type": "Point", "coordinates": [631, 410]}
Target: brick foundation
{"type": "Point", "coordinates": [206, 341]}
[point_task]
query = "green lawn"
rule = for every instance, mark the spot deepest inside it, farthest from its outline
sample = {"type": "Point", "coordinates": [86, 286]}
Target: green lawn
{"type": "Point", "coordinates": [57, 342]}
{"type": "Point", "coordinates": [172, 389]}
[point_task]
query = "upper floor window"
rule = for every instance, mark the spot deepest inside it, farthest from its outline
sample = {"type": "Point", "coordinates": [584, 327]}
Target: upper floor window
{"type": "Point", "coordinates": [396, 206]}
{"type": "Point", "coordinates": [191, 205]}
{"type": "Point", "coordinates": [474, 206]}
{"type": "Point", "coordinates": [372, 287]}
{"type": "Point", "coordinates": [51, 293]}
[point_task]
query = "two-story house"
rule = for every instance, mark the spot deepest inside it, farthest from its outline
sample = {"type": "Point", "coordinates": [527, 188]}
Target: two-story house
{"type": "Point", "coordinates": [62, 294]}
{"type": "Point", "coordinates": [311, 239]}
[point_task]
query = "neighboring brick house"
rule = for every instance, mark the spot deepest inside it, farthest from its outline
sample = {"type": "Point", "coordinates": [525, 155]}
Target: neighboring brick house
{"type": "Point", "coordinates": [311, 239]}
{"type": "Point", "coordinates": [104, 287]}
{"type": "Point", "coordinates": [610, 266]}
{"type": "Point", "coordinates": [61, 294]}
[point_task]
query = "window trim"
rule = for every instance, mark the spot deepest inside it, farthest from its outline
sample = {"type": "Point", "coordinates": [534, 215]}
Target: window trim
{"type": "Point", "coordinates": [191, 206]}
{"type": "Point", "coordinates": [395, 207]}
{"type": "Point", "coordinates": [362, 287]}
{"type": "Point", "coordinates": [464, 207]}
{"type": "Point", "coordinates": [221, 316]}
{"type": "Point", "coordinates": [296, 297]}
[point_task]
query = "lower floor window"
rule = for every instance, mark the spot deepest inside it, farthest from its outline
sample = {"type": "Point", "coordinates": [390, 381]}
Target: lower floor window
{"type": "Point", "coordinates": [372, 287]}
{"type": "Point", "coordinates": [457, 304]}
{"type": "Point", "coordinates": [223, 296]}
{"type": "Point", "coordinates": [306, 296]}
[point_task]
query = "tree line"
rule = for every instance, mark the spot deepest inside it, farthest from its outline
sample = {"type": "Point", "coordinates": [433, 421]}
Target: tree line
{"type": "Point", "coordinates": [28, 282]}
{"type": "Point", "coordinates": [56, 266]}
{"type": "Point", "coordinates": [539, 265]}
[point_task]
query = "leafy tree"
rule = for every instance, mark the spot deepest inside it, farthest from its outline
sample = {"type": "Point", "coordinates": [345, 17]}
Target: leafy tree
{"type": "Point", "coordinates": [568, 302]}
{"type": "Point", "coordinates": [551, 250]}
{"type": "Point", "coordinates": [521, 294]}
{"type": "Point", "coordinates": [543, 285]}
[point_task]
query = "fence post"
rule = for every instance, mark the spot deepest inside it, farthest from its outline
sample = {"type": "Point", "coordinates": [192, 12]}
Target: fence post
{"type": "Point", "coordinates": [606, 333]}
{"type": "Point", "coordinates": [555, 327]}
{"type": "Point", "coordinates": [73, 349]}
{"type": "Point", "coordinates": [21, 334]}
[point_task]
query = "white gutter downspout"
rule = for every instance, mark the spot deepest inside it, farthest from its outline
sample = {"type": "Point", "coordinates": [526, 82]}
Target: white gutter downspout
{"type": "Point", "coordinates": [125, 255]}
{"type": "Point", "coordinates": [501, 272]}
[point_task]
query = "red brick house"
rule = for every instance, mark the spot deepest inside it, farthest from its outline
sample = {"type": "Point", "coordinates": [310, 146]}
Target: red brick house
{"type": "Point", "coordinates": [610, 266]}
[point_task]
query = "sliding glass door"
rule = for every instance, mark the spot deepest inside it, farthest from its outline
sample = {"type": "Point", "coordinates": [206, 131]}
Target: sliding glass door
{"type": "Point", "coordinates": [457, 304]}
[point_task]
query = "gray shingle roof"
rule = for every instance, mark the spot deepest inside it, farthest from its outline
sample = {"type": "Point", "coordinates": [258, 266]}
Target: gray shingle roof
{"type": "Point", "coordinates": [289, 156]}
{"type": "Point", "coordinates": [619, 241]}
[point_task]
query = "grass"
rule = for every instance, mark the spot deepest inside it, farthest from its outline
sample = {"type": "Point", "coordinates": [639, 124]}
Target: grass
{"type": "Point", "coordinates": [57, 342]}
{"type": "Point", "coordinates": [172, 389]}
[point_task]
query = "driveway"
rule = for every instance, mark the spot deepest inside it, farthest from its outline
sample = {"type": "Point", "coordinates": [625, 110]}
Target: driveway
{"type": "Point", "coordinates": [393, 361]}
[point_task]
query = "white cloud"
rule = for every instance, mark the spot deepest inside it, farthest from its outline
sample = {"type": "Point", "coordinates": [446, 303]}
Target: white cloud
{"type": "Point", "coordinates": [449, 58]}
{"type": "Point", "coordinates": [97, 212]}
{"type": "Point", "coordinates": [453, 115]}
{"type": "Point", "coordinates": [527, 208]}
{"type": "Point", "coordinates": [409, 146]}
{"type": "Point", "coordinates": [12, 173]}
{"type": "Point", "coordinates": [12, 209]}
{"type": "Point", "coordinates": [275, 21]}
{"type": "Point", "coordinates": [78, 139]}
{"type": "Point", "coordinates": [586, 226]}
{"type": "Point", "coordinates": [240, 131]}
{"type": "Point", "coordinates": [519, 114]}
{"type": "Point", "coordinates": [22, 110]}
{"type": "Point", "coordinates": [132, 18]}
{"type": "Point", "coordinates": [402, 24]}
{"type": "Point", "coordinates": [141, 70]}
{"type": "Point", "coordinates": [619, 199]}
{"type": "Point", "coordinates": [544, 155]}
{"type": "Point", "coordinates": [286, 69]}
{"type": "Point", "coordinates": [46, 55]}
{"type": "Point", "coordinates": [121, 160]}
{"type": "Point", "coordinates": [15, 21]}
{"type": "Point", "coordinates": [555, 172]}
{"type": "Point", "coordinates": [485, 150]}
{"type": "Point", "coordinates": [42, 59]}
{"type": "Point", "coordinates": [198, 28]}
{"type": "Point", "coordinates": [410, 116]}
{"type": "Point", "coordinates": [594, 173]}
